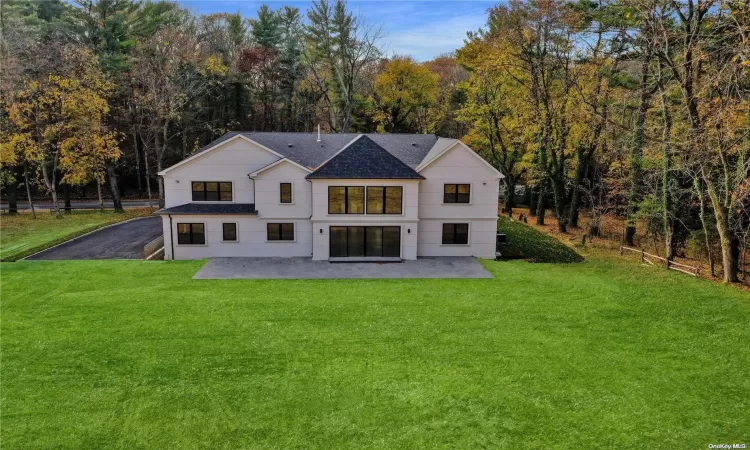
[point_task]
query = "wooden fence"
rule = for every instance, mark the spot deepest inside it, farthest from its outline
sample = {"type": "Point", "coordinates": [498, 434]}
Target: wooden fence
{"type": "Point", "coordinates": [664, 262]}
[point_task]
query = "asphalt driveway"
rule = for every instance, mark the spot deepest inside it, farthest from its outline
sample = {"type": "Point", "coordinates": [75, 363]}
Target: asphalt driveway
{"type": "Point", "coordinates": [121, 241]}
{"type": "Point", "coordinates": [302, 268]}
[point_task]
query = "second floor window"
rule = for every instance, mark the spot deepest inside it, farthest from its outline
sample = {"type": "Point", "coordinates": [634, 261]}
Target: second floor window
{"type": "Point", "coordinates": [286, 192]}
{"type": "Point", "coordinates": [456, 193]}
{"type": "Point", "coordinates": [346, 200]}
{"type": "Point", "coordinates": [384, 199]}
{"type": "Point", "coordinates": [212, 191]}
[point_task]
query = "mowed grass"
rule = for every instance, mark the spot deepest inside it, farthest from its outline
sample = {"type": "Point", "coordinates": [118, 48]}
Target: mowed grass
{"type": "Point", "coordinates": [21, 235]}
{"type": "Point", "coordinates": [601, 354]}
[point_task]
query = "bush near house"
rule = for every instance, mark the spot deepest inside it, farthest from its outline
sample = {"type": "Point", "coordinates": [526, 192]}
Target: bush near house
{"type": "Point", "coordinates": [524, 242]}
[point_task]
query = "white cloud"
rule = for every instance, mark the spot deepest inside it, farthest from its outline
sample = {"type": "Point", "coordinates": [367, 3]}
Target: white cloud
{"type": "Point", "coordinates": [440, 35]}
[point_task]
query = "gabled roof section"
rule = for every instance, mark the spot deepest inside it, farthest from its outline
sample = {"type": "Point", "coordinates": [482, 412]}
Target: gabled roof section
{"type": "Point", "coordinates": [213, 146]}
{"type": "Point", "coordinates": [442, 148]}
{"type": "Point", "coordinates": [276, 163]}
{"type": "Point", "coordinates": [363, 158]}
{"type": "Point", "coordinates": [311, 151]}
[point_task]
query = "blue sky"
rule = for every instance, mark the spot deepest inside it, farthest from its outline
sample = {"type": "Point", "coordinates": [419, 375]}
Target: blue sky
{"type": "Point", "coordinates": [421, 29]}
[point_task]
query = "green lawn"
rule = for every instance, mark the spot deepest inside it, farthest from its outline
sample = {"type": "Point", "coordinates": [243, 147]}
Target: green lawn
{"type": "Point", "coordinates": [601, 354]}
{"type": "Point", "coordinates": [21, 235]}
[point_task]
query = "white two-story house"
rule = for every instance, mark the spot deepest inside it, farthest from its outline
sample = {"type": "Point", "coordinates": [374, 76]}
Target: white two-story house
{"type": "Point", "coordinates": [331, 197]}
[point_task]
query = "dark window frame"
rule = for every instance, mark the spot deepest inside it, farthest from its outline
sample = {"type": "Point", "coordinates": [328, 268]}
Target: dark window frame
{"type": "Point", "coordinates": [205, 191]}
{"type": "Point", "coordinates": [224, 232]}
{"type": "Point", "coordinates": [455, 199]}
{"type": "Point", "coordinates": [191, 234]}
{"type": "Point", "coordinates": [281, 232]}
{"type": "Point", "coordinates": [364, 245]}
{"type": "Point", "coordinates": [385, 204]}
{"type": "Point", "coordinates": [453, 235]}
{"type": "Point", "coordinates": [346, 199]}
{"type": "Point", "coordinates": [281, 193]}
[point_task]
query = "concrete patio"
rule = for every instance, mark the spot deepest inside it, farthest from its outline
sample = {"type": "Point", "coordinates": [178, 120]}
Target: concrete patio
{"type": "Point", "coordinates": [306, 268]}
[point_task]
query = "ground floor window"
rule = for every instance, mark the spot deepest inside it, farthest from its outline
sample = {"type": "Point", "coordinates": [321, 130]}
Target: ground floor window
{"type": "Point", "coordinates": [229, 232]}
{"type": "Point", "coordinates": [455, 233]}
{"type": "Point", "coordinates": [191, 234]}
{"type": "Point", "coordinates": [365, 241]}
{"type": "Point", "coordinates": [280, 231]}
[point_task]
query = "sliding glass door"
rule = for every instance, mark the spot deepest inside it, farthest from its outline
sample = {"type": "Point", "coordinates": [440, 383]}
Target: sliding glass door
{"type": "Point", "coordinates": [365, 241]}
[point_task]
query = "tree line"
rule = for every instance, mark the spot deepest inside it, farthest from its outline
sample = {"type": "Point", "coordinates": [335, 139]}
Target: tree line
{"type": "Point", "coordinates": [109, 92]}
{"type": "Point", "coordinates": [631, 107]}
{"type": "Point", "coordinates": [634, 108]}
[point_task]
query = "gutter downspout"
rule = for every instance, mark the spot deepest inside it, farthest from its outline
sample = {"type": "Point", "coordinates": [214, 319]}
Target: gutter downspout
{"type": "Point", "coordinates": [171, 235]}
{"type": "Point", "coordinates": [253, 179]}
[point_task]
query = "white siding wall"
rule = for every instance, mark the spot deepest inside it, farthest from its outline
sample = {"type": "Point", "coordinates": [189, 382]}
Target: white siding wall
{"type": "Point", "coordinates": [231, 161]}
{"type": "Point", "coordinates": [421, 220]}
{"type": "Point", "coordinates": [407, 220]}
{"type": "Point", "coordinates": [458, 167]}
{"type": "Point", "coordinates": [268, 201]}
{"type": "Point", "coordinates": [251, 232]}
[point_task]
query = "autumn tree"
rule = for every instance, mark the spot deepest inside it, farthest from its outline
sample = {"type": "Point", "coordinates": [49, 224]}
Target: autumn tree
{"type": "Point", "coordinates": [404, 94]}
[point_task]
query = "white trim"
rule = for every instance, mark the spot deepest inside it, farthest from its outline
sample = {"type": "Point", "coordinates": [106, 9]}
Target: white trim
{"type": "Point", "coordinates": [275, 163]}
{"type": "Point", "coordinates": [337, 153]}
{"type": "Point", "coordinates": [293, 194]}
{"type": "Point", "coordinates": [205, 235]}
{"type": "Point", "coordinates": [471, 193]}
{"type": "Point", "coordinates": [236, 233]}
{"type": "Point", "coordinates": [211, 201]}
{"type": "Point", "coordinates": [210, 150]}
{"type": "Point", "coordinates": [282, 241]}
{"type": "Point", "coordinates": [456, 222]}
{"type": "Point", "coordinates": [424, 164]}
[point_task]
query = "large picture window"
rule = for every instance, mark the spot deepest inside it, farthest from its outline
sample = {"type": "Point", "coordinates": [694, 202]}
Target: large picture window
{"type": "Point", "coordinates": [280, 231]}
{"type": "Point", "coordinates": [191, 234]}
{"type": "Point", "coordinates": [285, 190]}
{"type": "Point", "coordinates": [384, 199]}
{"type": "Point", "coordinates": [456, 193]}
{"type": "Point", "coordinates": [365, 242]}
{"type": "Point", "coordinates": [212, 191]}
{"type": "Point", "coordinates": [456, 233]}
{"type": "Point", "coordinates": [229, 232]}
{"type": "Point", "coordinates": [346, 200]}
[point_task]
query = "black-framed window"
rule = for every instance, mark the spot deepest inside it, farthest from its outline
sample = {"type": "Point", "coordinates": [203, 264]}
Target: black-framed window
{"type": "Point", "coordinates": [346, 199]}
{"type": "Point", "coordinates": [229, 231]}
{"type": "Point", "coordinates": [212, 191]}
{"type": "Point", "coordinates": [191, 234]}
{"type": "Point", "coordinates": [455, 233]}
{"type": "Point", "coordinates": [280, 231]}
{"type": "Point", "coordinates": [456, 193]}
{"type": "Point", "coordinates": [285, 190]}
{"type": "Point", "coordinates": [384, 199]}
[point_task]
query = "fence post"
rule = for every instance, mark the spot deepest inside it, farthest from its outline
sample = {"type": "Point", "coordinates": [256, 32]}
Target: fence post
{"type": "Point", "coordinates": [620, 249]}
{"type": "Point", "coordinates": [643, 256]}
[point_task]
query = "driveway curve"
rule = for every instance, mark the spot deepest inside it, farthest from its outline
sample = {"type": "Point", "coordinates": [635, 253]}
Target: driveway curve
{"type": "Point", "coordinates": [121, 241]}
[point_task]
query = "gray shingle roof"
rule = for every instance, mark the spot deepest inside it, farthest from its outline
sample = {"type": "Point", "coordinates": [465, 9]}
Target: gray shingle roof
{"type": "Point", "coordinates": [304, 149]}
{"type": "Point", "coordinates": [363, 158]}
{"type": "Point", "coordinates": [210, 208]}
